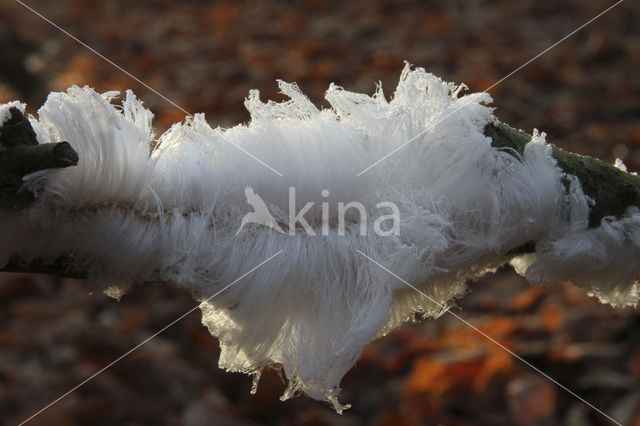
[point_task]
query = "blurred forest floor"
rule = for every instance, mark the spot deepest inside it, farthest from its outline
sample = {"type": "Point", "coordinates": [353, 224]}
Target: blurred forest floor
{"type": "Point", "coordinates": [206, 56]}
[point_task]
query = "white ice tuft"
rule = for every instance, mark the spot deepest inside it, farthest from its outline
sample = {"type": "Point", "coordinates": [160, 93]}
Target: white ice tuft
{"type": "Point", "coordinates": [171, 214]}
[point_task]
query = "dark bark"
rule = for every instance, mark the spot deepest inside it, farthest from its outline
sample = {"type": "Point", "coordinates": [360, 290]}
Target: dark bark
{"type": "Point", "coordinates": [21, 154]}
{"type": "Point", "coordinates": [612, 190]}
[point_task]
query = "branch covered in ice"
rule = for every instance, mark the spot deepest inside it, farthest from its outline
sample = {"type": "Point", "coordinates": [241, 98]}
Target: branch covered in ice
{"type": "Point", "coordinates": [470, 194]}
{"type": "Point", "coordinates": [20, 154]}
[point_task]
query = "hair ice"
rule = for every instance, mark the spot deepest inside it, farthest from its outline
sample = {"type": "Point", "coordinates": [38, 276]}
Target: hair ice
{"type": "Point", "coordinates": [137, 208]}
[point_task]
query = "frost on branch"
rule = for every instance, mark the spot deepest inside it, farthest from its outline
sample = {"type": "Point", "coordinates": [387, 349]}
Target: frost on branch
{"type": "Point", "coordinates": [139, 208]}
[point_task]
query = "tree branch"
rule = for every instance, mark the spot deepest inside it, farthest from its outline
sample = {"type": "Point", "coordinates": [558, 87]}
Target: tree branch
{"type": "Point", "coordinates": [612, 190]}
{"type": "Point", "coordinates": [21, 154]}
{"type": "Point", "coordinates": [61, 267]}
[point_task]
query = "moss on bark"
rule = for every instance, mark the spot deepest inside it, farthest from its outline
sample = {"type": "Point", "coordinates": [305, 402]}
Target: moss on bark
{"type": "Point", "coordinates": [612, 190]}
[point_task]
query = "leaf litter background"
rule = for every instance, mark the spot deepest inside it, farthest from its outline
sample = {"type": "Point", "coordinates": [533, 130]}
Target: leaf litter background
{"type": "Point", "coordinates": [206, 56]}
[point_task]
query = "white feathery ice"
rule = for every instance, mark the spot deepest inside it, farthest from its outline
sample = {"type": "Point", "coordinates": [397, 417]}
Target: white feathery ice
{"type": "Point", "coordinates": [167, 209]}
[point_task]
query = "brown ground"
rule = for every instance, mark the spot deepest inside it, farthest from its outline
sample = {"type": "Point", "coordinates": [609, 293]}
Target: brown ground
{"type": "Point", "coordinates": [585, 94]}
